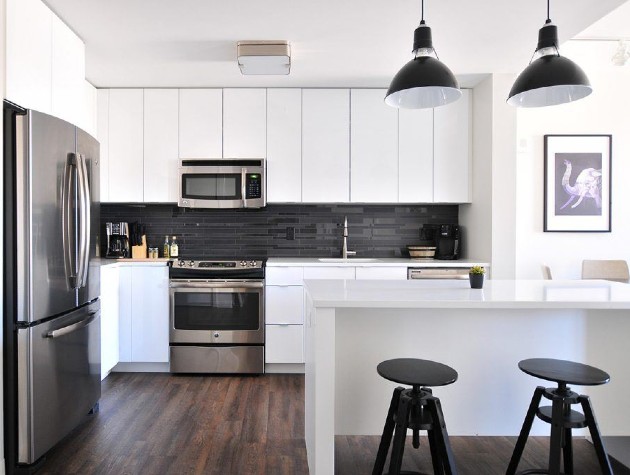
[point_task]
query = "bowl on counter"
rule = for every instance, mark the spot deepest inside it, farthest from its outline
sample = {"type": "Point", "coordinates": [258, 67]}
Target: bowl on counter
{"type": "Point", "coordinates": [421, 252]}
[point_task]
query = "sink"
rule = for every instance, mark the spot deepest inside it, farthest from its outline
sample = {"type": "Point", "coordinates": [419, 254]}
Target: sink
{"type": "Point", "coordinates": [349, 259]}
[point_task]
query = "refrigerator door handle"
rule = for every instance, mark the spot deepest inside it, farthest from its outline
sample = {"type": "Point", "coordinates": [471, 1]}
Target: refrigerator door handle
{"type": "Point", "coordinates": [71, 328]}
{"type": "Point", "coordinates": [68, 216]}
{"type": "Point", "coordinates": [84, 221]}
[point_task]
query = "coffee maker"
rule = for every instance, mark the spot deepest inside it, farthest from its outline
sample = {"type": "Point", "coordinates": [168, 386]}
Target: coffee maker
{"type": "Point", "coordinates": [445, 237]}
{"type": "Point", "coordinates": [117, 240]}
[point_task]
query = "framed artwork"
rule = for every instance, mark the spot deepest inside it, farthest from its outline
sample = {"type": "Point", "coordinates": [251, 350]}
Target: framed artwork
{"type": "Point", "coordinates": [577, 183]}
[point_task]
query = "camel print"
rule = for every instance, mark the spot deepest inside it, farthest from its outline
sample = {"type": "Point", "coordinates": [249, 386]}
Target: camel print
{"type": "Point", "coordinates": [587, 185]}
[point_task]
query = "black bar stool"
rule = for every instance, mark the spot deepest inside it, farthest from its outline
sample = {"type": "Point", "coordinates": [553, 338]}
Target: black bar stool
{"type": "Point", "coordinates": [560, 415]}
{"type": "Point", "coordinates": [416, 409]}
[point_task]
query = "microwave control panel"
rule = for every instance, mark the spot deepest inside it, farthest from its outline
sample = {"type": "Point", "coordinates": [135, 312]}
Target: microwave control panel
{"type": "Point", "coordinates": [253, 185]}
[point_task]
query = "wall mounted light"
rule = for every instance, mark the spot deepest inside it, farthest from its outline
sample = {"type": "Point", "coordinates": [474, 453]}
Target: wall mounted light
{"type": "Point", "coordinates": [622, 55]}
{"type": "Point", "coordinates": [424, 81]}
{"type": "Point", "coordinates": [550, 79]}
{"type": "Point", "coordinates": [264, 57]}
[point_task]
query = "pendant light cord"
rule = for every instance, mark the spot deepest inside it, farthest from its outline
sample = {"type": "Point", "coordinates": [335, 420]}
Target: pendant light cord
{"type": "Point", "coordinates": [548, 16]}
{"type": "Point", "coordinates": [422, 11]}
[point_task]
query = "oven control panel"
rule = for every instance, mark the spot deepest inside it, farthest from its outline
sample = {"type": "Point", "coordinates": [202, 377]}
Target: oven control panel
{"type": "Point", "coordinates": [217, 265]}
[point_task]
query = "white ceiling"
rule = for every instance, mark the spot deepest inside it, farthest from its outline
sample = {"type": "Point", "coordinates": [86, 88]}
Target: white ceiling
{"type": "Point", "coordinates": [192, 43]}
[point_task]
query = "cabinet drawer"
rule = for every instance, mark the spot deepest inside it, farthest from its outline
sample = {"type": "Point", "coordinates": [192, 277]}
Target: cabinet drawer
{"type": "Point", "coordinates": [329, 273]}
{"type": "Point", "coordinates": [385, 273]}
{"type": "Point", "coordinates": [284, 275]}
{"type": "Point", "coordinates": [284, 304]}
{"type": "Point", "coordinates": [284, 344]}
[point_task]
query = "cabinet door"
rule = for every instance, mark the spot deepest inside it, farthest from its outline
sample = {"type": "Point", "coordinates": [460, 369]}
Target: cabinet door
{"type": "Point", "coordinates": [149, 330]}
{"type": "Point", "coordinates": [374, 148]}
{"type": "Point", "coordinates": [68, 73]}
{"type": "Point", "coordinates": [325, 145]}
{"type": "Point", "coordinates": [244, 123]}
{"type": "Point", "coordinates": [284, 304]}
{"type": "Point", "coordinates": [124, 313]}
{"type": "Point", "coordinates": [284, 344]}
{"type": "Point", "coordinates": [126, 150]}
{"type": "Point", "coordinates": [200, 123]}
{"type": "Point", "coordinates": [381, 273]}
{"type": "Point", "coordinates": [329, 273]}
{"type": "Point", "coordinates": [161, 152]}
{"type": "Point", "coordinates": [284, 145]}
{"type": "Point", "coordinates": [415, 155]}
{"type": "Point", "coordinates": [110, 305]}
{"type": "Point", "coordinates": [451, 172]}
{"type": "Point", "coordinates": [89, 110]}
{"type": "Point", "coordinates": [29, 54]}
{"type": "Point", "coordinates": [102, 135]}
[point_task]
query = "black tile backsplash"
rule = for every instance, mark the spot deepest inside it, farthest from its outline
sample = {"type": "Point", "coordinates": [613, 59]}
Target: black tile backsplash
{"type": "Point", "coordinates": [373, 230]}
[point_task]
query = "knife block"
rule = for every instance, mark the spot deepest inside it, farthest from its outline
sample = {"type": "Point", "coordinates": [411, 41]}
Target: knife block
{"type": "Point", "coordinates": [140, 252]}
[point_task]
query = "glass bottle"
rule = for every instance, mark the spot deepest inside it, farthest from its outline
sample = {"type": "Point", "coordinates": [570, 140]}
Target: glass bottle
{"type": "Point", "coordinates": [166, 248]}
{"type": "Point", "coordinates": [174, 248]}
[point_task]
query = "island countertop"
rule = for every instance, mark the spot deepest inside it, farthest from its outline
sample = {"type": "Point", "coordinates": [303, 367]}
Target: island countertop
{"type": "Point", "coordinates": [454, 294]}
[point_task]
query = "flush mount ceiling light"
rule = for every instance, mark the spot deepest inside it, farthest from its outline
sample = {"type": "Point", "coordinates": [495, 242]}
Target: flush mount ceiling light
{"type": "Point", "coordinates": [622, 54]}
{"type": "Point", "coordinates": [264, 57]}
{"type": "Point", "coordinates": [550, 79]}
{"type": "Point", "coordinates": [424, 81]}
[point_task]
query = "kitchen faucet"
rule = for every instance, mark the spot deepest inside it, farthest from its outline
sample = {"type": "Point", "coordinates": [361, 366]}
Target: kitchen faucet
{"type": "Point", "coordinates": [344, 250]}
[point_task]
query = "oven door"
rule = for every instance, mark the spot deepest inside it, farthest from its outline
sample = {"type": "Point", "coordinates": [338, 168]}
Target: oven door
{"type": "Point", "coordinates": [217, 312]}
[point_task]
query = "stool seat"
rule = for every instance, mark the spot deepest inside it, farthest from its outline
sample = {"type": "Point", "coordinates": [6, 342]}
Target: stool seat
{"type": "Point", "coordinates": [561, 371]}
{"type": "Point", "coordinates": [416, 372]}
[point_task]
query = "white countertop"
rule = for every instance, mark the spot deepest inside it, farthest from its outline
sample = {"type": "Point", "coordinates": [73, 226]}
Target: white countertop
{"type": "Point", "coordinates": [508, 294]}
{"type": "Point", "coordinates": [369, 262]}
{"type": "Point", "coordinates": [135, 262]}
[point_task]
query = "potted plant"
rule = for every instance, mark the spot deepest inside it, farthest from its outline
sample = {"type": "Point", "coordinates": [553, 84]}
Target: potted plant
{"type": "Point", "coordinates": [476, 277]}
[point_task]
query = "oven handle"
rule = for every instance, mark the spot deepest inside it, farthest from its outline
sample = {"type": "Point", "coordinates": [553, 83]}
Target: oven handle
{"type": "Point", "coordinates": [213, 284]}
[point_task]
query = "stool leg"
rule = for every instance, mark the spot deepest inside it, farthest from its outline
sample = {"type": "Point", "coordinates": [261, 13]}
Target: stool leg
{"type": "Point", "coordinates": [439, 428]}
{"type": "Point", "coordinates": [438, 469]}
{"type": "Point", "coordinates": [567, 451]}
{"type": "Point", "coordinates": [557, 422]}
{"type": "Point", "coordinates": [527, 425]}
{"type": "Point", "coordinates": [598, 443]}
{"type": "Point", "coordinates": [388, 431]}
{"type": "Point", "coordinates": [402, 416]}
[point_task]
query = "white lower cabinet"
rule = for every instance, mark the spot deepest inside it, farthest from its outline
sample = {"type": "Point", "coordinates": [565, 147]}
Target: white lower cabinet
{"type": "Point", "coordinates": [143, 314]}
{"type": "Point", "coordinates": [110, 304]}
{"type": "Point", "coordinates": [285, 305]}
{"type": "Point", "coordinates": [284, 344]}
{"type": "Point", "coordinates": [381, 273]}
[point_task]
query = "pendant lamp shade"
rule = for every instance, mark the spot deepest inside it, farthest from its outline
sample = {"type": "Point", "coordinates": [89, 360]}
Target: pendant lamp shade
{"type": "Point", "coordinates": [424, 82]}
{"type": "Point", "coordinates": [551, 79]}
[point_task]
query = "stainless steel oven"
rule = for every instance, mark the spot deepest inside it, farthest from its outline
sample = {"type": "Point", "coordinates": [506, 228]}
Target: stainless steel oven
{"type": "Point", "coordinates": [217, 317]}
{"type": "Point", "coordinates": [222, 184]}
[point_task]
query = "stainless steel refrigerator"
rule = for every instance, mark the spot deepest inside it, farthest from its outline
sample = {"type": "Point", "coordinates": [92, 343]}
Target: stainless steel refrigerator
{"type": "Point", "coordinates": [51, 282]}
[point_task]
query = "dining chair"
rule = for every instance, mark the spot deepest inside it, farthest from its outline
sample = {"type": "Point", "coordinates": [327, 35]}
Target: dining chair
{"type": "Point", "coordinates": [546, 271]}
{"type": "Point", "coordinates": [616, 270]}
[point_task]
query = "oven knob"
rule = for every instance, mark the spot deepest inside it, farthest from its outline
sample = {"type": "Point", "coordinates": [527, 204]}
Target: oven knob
{"type": "Point", "coordinates": [252, 264]}
{"type": "Point", "coordinates": [216, 335]}
{"type": "Point", "coordinates": [243, 264]}
{"type": "Point", "coordinates": [182, 263]}
{"type": "Point", "coordinates": [191, 263]}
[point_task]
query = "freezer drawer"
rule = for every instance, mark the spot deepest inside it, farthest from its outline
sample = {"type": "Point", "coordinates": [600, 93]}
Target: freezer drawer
{"type": "Point", "coordinates": [59, 365]}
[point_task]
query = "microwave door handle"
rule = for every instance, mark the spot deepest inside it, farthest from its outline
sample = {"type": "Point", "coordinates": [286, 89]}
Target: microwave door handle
{"type": "Point", "coordinates": [243, 187]}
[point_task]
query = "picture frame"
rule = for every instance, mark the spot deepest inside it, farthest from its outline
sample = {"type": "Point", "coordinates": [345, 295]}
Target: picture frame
{"type": "Point", "coordinates": [577, 183]}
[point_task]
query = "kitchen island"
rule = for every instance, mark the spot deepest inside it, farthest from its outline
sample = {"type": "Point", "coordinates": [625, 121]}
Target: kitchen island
{"type": "Point", "coordinates": [351, 326]}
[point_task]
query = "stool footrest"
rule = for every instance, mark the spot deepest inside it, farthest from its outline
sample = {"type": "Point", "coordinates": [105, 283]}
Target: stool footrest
{"type": "Point", "coordinates": [573, 420]}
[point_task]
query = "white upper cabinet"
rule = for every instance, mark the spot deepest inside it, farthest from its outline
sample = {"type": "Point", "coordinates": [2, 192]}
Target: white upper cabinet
{"type": "Point", "coordinates": [89, 109]}
{"type": "Point", "coordinates": [325, 145]}
{"type": "Point", "coordinates": [29, 54]}
{"type": "Point", "coordinates": [102, 135]}
{"type": "Point", "coordinates": [68, 74]}
{"type": "Point", "coordinates": [126, 154]}
{"type": "Point", "coordinates": [200, 123]}
{"type": "Point", "coordinates": [451, 164]}
{"type": "Point", "coordinates": [284, 145]}
{"type": "Point", "coordinates": [244, 123]}
{"type": "Point", "coordinates": [161, 152]}
{"type": "Point", "coordinates": [373, 148]}
{"type": "Point", "coordinates": [415, 155]}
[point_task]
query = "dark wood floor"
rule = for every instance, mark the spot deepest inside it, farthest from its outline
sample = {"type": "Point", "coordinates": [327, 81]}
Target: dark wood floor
{"type": "Point", "coordinates": [163, 424]}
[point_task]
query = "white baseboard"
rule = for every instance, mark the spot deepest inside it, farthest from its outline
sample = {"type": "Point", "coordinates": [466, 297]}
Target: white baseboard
{"type": "Point", "coordinates": [284, 368]}
{"type": "Point", "coordinates": [142, 368]}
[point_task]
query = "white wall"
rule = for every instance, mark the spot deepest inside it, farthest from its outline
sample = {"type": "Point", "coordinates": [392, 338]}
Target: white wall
{"type": "Point", "coordinates": [603, 112]}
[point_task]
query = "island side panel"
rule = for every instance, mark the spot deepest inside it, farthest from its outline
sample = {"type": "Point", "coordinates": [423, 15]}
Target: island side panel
{"type": "Point", "coordinates": [319, 407]}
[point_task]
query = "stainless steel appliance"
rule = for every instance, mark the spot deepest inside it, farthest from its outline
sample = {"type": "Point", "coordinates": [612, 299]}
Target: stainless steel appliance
{"type": "Point", "coordinates": [439, 273]}
{"type": "Point", "coordinates": [217, 316]}
{"type": "Point", "coordinates": [446, 237]}
{"type": "Point", "coordinates": [117, 245]}
{"type": "Point", "coordinates": [222, 184]}
{"type": "Point", "coordinates": [51, 272]}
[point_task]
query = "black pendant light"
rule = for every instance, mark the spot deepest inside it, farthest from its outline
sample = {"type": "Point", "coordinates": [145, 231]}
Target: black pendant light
{"type": "Point", "coordinates": [424, 81]}
{"type": "Point", "coordinates": [550, 79]}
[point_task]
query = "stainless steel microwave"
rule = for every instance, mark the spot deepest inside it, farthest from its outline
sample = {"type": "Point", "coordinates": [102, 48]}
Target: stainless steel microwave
{"type": "Point", "coordinates": [222, 183]}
